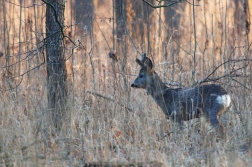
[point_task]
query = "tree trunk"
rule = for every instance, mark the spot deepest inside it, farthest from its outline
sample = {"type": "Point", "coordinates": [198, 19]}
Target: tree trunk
{"type": "Point", "coordinates": [56, 69]}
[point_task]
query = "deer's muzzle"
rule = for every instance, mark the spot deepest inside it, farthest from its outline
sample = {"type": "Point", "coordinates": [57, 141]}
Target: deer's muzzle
{"type": "Point", "coordinates": [133, 85]}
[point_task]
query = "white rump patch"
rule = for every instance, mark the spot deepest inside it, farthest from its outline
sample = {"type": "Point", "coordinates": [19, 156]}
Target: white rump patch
{"type": "Point", "coordinates": [224, 100]}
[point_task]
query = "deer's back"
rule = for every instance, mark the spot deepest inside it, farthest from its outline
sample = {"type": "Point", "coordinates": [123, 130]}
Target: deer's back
{"type": "Point", "coordinates": [191, 102]}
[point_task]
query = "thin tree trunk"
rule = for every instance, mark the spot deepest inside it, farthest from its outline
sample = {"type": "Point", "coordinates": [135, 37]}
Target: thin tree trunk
{"type": "Point", "coordinates": [56, 69]}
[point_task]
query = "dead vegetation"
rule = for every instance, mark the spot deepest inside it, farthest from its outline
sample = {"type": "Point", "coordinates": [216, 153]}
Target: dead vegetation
{"type": "Point", "coordinates": [108, 123]}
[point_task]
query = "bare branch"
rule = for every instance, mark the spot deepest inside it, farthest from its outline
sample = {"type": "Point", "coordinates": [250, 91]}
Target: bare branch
{"type": "Point", "coordinates": [110, 99]}
{"type": "Point", "coordinates": [55, 15]}
{"type": "Point", "coordinates": [162, 6]}
{"type": "Point", "coordinates": [232, 74]}
{"type": "Point", "coordinates": [56, 19]}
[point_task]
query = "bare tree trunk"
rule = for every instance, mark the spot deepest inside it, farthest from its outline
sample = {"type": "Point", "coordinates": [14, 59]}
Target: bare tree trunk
{"type": "Point", "coordinates": [56, 69]}
{"type": "Point", "coordinates": [249, 19]}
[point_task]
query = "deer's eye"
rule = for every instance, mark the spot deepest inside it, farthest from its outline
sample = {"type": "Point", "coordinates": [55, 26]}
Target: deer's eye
{"type": "Point", "coordinates": [140, 76]}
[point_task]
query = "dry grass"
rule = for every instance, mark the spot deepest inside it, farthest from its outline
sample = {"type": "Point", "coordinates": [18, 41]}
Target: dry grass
{"type": "Point", "coordinates": [102, 130]}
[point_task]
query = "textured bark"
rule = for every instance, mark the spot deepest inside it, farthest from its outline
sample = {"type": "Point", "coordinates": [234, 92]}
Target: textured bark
{"type": "Point", "coordinates": [56, 71]}
{"type": "Point", "coordinates": [119, 18]}
{"type": "Point", "coordinates": [249, 19]}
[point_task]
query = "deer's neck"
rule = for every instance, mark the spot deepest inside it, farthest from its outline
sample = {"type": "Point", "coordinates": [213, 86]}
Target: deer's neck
{"type": "Point", "coordinates": [156, 88]}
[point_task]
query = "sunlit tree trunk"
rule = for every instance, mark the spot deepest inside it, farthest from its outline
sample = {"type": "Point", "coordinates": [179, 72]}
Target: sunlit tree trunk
{"type": "Point", "coordinates": [56, 71]}
{"type": "Point", "coordinates": [249, 19]}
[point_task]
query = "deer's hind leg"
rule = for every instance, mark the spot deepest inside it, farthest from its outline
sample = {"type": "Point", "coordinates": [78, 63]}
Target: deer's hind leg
{"type": "Point", "coordinates": [177, 115]}
{"type": "Point", "coordinates": [214, 116]}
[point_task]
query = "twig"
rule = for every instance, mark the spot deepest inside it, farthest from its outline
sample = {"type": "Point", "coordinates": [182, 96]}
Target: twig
{"type": "Point", "coordinates": [240, 84]}
{"type": "Point", "coordinates": [231, 74]}
{"type": "Point", "coordinates": [110, 99]}
{"type": "Point", "coordinates": [68, 140]}
{"type": "Point", "coordinates": [195, 45]}
{"type": "Point", "coordinates": [102, 34]}
{"type": "Point", "coordinates": [191, 3]}
{"type": "Point", "coordinates": [162, 6]}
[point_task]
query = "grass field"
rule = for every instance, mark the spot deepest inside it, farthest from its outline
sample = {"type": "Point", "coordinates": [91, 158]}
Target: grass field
{"type": "Point", "coordinates": [111, 123]}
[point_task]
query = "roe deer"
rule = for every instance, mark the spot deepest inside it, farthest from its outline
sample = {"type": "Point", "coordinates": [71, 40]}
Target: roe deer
{"type": "Point", "coordinates": [183, 104]}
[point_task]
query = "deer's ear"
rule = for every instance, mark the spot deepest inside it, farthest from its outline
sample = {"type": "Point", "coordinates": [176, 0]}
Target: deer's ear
{"type": "Point", "coordinates": [139, 62]}
{"type": "Point", "coordinates": [145, 62]}
{"type": "Point", "coordinates": [148, 63]}
{"type": "Point", "coordinates": [143, 55]}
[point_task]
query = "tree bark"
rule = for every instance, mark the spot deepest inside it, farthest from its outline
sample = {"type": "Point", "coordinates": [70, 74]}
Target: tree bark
{"type": "Point", "coordinates": [56, 69]}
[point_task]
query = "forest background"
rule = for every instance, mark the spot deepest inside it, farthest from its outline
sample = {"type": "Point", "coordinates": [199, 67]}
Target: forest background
{"type": "Point", "coordinates": [106, 121]}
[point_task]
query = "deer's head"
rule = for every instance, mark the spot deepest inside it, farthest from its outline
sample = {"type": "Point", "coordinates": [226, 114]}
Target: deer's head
{"type": "Point", "coordinates": [145, 76]}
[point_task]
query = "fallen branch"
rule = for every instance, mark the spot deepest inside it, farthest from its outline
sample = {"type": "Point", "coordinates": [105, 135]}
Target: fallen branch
{"type": "Point", "coordinates": [110, 99]}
